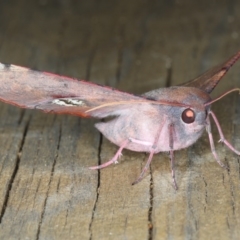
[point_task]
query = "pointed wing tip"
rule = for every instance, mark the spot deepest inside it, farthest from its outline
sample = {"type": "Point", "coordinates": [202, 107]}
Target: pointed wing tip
{"type": "Point", "coordinates": [232, 60]}
{"type": "Point", "coordinates": [209, 80]}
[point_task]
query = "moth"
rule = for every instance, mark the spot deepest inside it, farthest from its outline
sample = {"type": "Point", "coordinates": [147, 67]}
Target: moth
{"type": "Point", "coordinates": [162, 120]}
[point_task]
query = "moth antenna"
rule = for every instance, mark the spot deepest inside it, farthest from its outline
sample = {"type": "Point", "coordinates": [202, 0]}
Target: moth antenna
{"type": "Point", "coordinates": [222, 138]}
{"type": "Point", "coordinates": [221, 96]}
{"type": "Point", "coordinates": [160, 102]}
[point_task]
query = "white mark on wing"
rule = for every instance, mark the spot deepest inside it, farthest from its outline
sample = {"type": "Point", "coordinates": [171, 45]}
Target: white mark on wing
{"type": "Point", "coordinates": [76, 102]}
{"type": "Point", "coordinates": [59, 102]}
{"type": "Point", "coordinates": [68, 102]}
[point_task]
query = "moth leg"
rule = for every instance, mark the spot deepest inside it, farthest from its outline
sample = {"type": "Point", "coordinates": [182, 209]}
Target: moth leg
{"type": "Point", "coordinates": [209, 131]}
{"type": "Point", "coordinates": [150, 155]}
{"type": "Point", "coordinates": [145, 143]}
{"type": "Point", "coordinates": [145, 168]}
{"type": "Point", "coordinates": [222, 138]}
{"type": "Point", "coordinates": [171, 142]}
{"type": "Point", "coordinates": [114, 159]}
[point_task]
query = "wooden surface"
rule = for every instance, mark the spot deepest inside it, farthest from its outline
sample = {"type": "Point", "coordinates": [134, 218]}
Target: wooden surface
{"type": "Point", "coordinates": [46, 188]}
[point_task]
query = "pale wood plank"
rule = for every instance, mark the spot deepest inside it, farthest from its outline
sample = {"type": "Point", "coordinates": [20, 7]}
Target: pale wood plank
{"type": "Point", "coordinates": [47, 191]}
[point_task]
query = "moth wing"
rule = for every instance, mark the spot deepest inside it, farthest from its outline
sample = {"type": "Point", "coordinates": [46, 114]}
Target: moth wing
{"type": "Point", "coordinates": [208, 80]}
{"type": "Point", "coordinates": [27, 88]}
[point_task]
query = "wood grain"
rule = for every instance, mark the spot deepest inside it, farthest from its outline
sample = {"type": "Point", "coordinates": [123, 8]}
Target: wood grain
{"type": "Point", "coordinates": [46, 188]}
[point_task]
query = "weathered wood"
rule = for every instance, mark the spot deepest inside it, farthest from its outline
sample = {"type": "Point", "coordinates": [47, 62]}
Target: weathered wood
{"type": "Point", "coordinates": [47, 190]}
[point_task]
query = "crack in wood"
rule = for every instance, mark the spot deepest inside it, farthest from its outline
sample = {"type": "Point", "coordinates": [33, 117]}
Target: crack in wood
{"type": "Point", "coordinates": [15, 170]}
{"type": "Point", "coordinates": [89, 63]}
{"type": "Point", "coordinates": [49, 184]}
{"type": "Point", "coordinates": [150, 210]}
{"type": "Point", "coordinates": [228, 224]}
{"type": "Point", "coordinates": [120, 54]}
{"type": "Point", "coordinates": [231, 190]}
{"type": "Point", "coordinates": [169, 72]}
{"type": "Point", "coordinates": [21, 116]}
{"type": "Point", "coordinates": [98, 186]}
{"type": "Point", "coordinates": [232, 198]}
{"type": "Point", "coordinates": [206, 193]}
{"type": "Point", "coordinates": [144, 32]}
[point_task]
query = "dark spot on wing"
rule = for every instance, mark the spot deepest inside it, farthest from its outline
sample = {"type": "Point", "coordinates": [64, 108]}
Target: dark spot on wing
{"type": "Point", "coordinates": [150, 98]}
{"type": "Point", "coordinates": [56, 96]}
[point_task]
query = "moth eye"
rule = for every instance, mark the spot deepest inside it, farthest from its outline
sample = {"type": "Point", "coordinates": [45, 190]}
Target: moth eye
{"type": "Point", "coordinates": [188, 115]}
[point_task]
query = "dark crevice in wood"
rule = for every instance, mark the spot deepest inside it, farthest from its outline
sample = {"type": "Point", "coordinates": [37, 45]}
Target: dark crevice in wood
{"type": "Point", "coordinates": [231, 189]}
{"type": "Point", "coordinates": [144, 32]}
{"type": "Point", "coordinates": [61, 44]}
{"type": "Point", "coordinates": [193, 227]}
{"type": "Point", "coordinates": [206, 194]}
{"type": "Point", "coordinates": [169, 73]}
{"type": "Point", "coordinates": [37, 189]}
{"type": "Point", "coordinates": [21, 116]}
{"type": "Point", "coordinates": [58, 184]}
{"type": "Point", "coordinates": [90, 61]}
{"type": "Point", "coordinates": [66, 216]}
{"type": "Point", "coordinates": [89, 66]}
{"type": "Point", "coordinates": [231, 186]}
{"type": "Point", "coordinates": [120, 55]}
{"type": "Point", "coordinates": [226, 163]}
{"type": "Point", "coordinates": [228, 224]}
{"type": "Point", "coordinates": [150, 210]}
{"type": "Point", "coordinates": [69, 203]}
{"type": "Point", "coordinates": [191, 217]}
{"type": "Point", "coordinates": [49, 184]}
{"type": "Point", "coordinates": [98, 186]}
{"type": "Point", "coordinates": [223, 179]}
{"type": "Point", "coordinates": [16, 167]}
{"type": "Point", "coordinates": [232, 198]}
{"type": "Point", "coordinates": [231, 192]}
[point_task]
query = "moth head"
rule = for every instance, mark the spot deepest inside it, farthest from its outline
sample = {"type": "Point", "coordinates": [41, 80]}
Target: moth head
{"type": "Point", "coordinates": [189, 121]}
{"type": "Point", "coordinates": [193, 110]}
